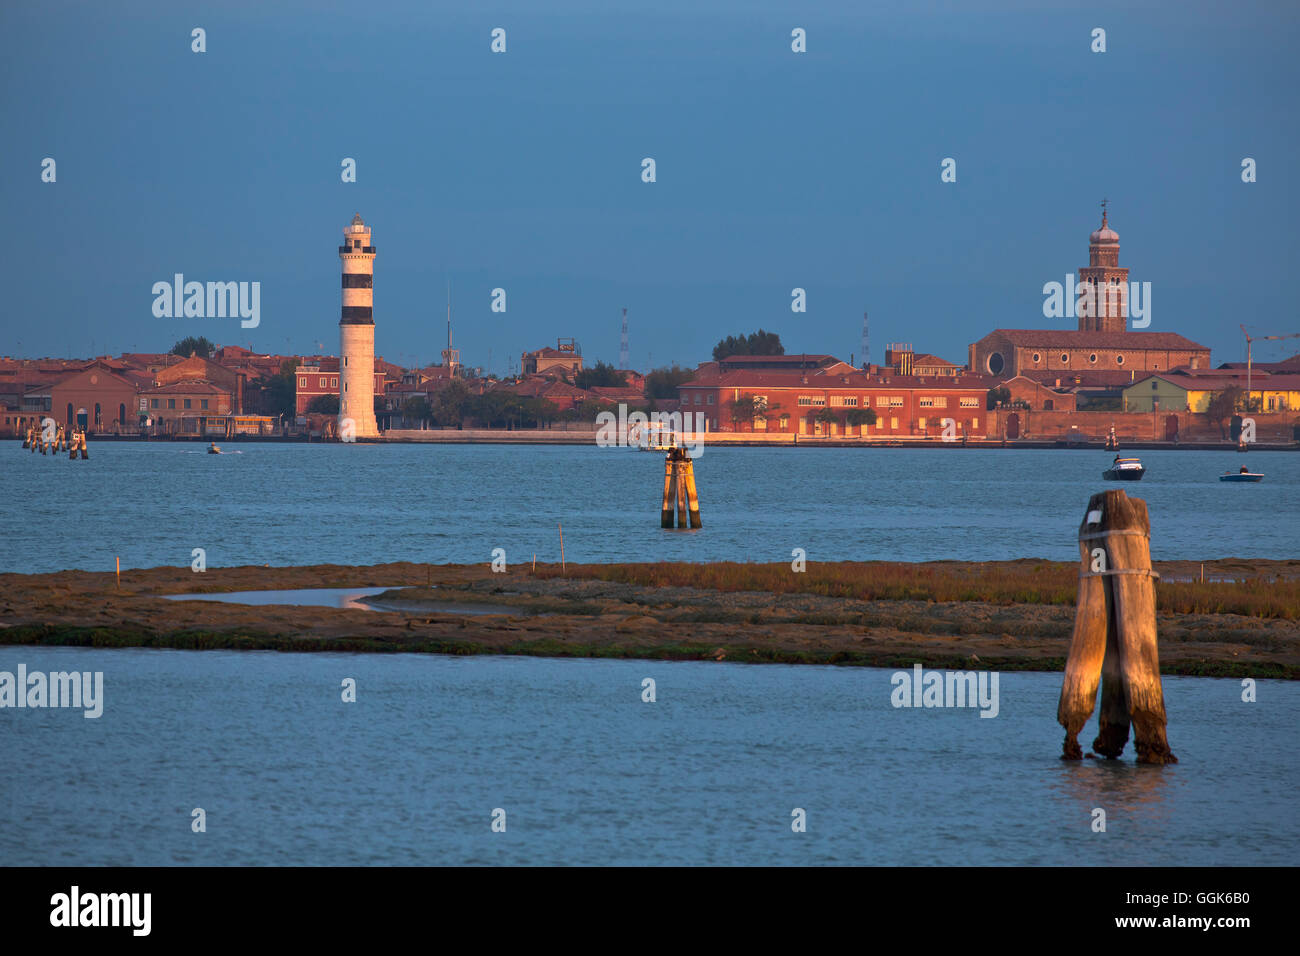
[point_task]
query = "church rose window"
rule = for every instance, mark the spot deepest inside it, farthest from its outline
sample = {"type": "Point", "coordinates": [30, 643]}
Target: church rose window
{"type": "Point", "coordinates": [1037, 358]}
{"type": "Point", "coordinates": [1119, 360]}
{"type": "Point", "coordinates": [1065, 358]}
{"type": "Point", "coordinates": [996, 363]}
{"type": "Point", "coordinates": [1093, 358]}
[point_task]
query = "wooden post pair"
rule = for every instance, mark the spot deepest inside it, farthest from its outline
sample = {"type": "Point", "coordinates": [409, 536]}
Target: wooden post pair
{"type": "Point", "coordinates": [679, 491]}
{"type": "Point", "coordinates": [1114, 640]}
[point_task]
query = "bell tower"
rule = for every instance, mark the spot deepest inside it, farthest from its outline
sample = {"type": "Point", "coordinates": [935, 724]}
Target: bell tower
{"type": "Point", "coordinates": [1105, 307]}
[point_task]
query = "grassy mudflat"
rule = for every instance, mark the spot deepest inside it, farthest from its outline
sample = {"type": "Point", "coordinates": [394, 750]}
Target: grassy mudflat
{"type": "Point", "coordinates": [1010, 615]}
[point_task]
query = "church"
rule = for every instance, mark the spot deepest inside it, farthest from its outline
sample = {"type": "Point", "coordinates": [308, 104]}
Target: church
{"type": "Point", "coordinates": [1103, 351]}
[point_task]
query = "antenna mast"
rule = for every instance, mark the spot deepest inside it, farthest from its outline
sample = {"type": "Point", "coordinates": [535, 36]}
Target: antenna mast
{"type": "Point", "coordinates": [622, 349]}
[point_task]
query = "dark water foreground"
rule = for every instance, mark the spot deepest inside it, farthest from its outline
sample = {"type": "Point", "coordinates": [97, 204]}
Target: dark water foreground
{"type": "Point", "coordinates": [589, 773]}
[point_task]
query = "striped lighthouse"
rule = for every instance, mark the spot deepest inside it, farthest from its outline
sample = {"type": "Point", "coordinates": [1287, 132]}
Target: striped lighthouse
{"type": "Point", "coordinates": [357, 333]}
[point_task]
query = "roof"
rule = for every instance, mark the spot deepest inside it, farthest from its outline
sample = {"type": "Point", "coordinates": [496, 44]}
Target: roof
{"type": "Point", "coordinates": [772, 378]}
{"type": "Point", "coordinates": [925, 358]}
{"type": "Point", "coordinates": [187, 388]}
{"type": "Point", "coordinates": [1265, 382]}
{"type": "Point", "coordinates": [1073, 338]}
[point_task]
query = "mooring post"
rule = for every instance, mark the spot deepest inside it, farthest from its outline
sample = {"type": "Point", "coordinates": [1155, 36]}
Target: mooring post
{"type": "Point", "coordinates": [1087, 645]}
{"type": "Point", "coordinates": [682, 464]}
{"type": "Point", "coordinates": [84, 453]}
{"type": "Point", "coordinates": [1115, 635]}
{"type": "Point", "coordinates": [693, 500]}
{"type": "Point", "coordinates": [670, 475]}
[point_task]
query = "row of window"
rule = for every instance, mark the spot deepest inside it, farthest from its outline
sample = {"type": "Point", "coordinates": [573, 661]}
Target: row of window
{"type": "Point", "coordinates": [1065, 358]}
{"type": "Point", "coordinates": [171, 403]}
{"type": "Point", "coordinates": [333, 382]}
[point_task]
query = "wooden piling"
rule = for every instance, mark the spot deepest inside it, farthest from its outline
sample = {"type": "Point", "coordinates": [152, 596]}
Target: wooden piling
{"type": "Point", "coordinates": [1087, 647]}
{"type": "Point", "coordinates": [682, 464]}
{"type": "Point", "coordinates": [84, 453]}
{"type": "Point", "coordinates": [670, 483]}
{"type": "Point", "coordinates": [561, 527]}
{"type": "Point", "coordinates": [692, 499]}
{"type": "Point", "coordinates": [1114, 637]}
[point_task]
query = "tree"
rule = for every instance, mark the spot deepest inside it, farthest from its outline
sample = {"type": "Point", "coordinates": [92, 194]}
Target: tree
{"type": "Point", "coordinates": [756, 343]}
{"type": "Point", "coordinates": [275, 395]}
{"type": "Point", "coordinates": [417, 410]}
{"type": "Point", "coordinates": [742, 410]}
{"type": "Point", "coordinates": [860, 416]}
{"type": "Point", "coordinates": [324, 405]}
{"type": "Point", "coordinates": [190, 345]}
{"type": "Point", "coordinates": [600, 375]}
{"type": "Point", "coordinates": [1223, 405]}
{"type": "Point", "coordinates": [996, 395]}
{"type": "Point", "coordinates": [826, 416]}
{"type": "Point", "coordinates": [663, 382]}
{"type": "Point", "coordinates": [451, 403]}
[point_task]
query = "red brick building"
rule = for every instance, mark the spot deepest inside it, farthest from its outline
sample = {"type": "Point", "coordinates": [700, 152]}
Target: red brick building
{"type": "Point", "coordinates": [822, 401]}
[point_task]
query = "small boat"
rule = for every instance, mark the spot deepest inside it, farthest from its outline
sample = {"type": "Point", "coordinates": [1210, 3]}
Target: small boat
{"type": "Point", "coordinates": [1124, 469]}
{"type": "Point", "coordinates": [1243, 475]}
{"type": "Point", "coordinates": [214, 449]}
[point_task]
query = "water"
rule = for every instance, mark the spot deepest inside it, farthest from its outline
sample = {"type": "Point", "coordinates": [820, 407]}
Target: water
{"type": "Point", "coordinates": [589, 774]}
{"type": "Point", "coordinates": [299, 597]}
{"type": "Point", "coordinates": [289, 504]}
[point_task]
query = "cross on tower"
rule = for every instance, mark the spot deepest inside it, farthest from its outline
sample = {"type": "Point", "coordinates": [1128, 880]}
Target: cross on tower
{"type": "Point", "coordinates": [1104, 203]}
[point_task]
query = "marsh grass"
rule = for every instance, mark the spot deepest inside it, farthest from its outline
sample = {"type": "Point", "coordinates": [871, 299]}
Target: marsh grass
{"type": "Point", "coordinates": [1019, 582]}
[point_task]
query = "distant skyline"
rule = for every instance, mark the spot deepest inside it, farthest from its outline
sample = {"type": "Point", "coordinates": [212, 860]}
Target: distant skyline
{"type": "Point", "coordinates": [522, 171]}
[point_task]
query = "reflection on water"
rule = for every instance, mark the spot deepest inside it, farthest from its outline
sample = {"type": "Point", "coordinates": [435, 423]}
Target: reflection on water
{"type": "Point", "coordinates": [303, 597]}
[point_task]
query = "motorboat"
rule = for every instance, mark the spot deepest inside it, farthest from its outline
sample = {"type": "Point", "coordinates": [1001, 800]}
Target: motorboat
{"type": "Point", "coordinates": [1124, 469]}
{"type": "Point", "coordinates": [1244, 475]}
{"type": "Point", "coordinates": [214, 449]}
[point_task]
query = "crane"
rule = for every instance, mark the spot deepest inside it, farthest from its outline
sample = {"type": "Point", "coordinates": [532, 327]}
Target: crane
{"type": "Point", "coordinates": [1261, 338]}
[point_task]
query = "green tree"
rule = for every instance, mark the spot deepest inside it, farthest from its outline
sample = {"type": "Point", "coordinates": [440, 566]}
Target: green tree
{"type": "Point", "coordinates": [600, 375]}
{"type": "Point", "coordinates": [996, 395]}
{"type": "Point", "coordinates": [826, 416]}
{"type": "Point", "coordinates": [416, 410]}
{"type": "Point", "coordinates": [199, 346]}
{"type": "Point", "coordinates": [756, 343]}
{"type": "Point", "coordinates": [324, 405]}
{"type": "Point", "coordinates": [1223, 405]}
{"type": "Point", "coordinates": [860, 416]}
{"type": "Point", "coordinates": [742, 410]}
{"type": "Point", "coordinates": [663, 382]}
{"type": "Point", "coordinates": [451, 403]}
{"type": "Point", "coordinates": [275, 395]}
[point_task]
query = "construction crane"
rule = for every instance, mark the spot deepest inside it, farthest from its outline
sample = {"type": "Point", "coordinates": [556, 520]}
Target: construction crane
{"type": "Point", "coordinates": [1260, 338]}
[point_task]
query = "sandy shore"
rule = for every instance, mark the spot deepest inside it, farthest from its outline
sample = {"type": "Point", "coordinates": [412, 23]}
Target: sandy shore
{"type": "Point", "coordinates": [568, 616]}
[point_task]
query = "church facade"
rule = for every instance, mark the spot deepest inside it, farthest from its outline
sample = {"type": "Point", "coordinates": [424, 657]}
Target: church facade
{"type": "Point", "coordinates": [1102, 341]}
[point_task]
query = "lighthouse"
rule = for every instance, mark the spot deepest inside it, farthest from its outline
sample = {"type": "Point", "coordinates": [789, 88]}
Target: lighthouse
{"type": "Point", "coordinates": [357, 333]}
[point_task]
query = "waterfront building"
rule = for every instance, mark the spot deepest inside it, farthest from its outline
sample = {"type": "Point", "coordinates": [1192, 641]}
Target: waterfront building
{"type": "Point", "coordinates": [563, 360]}
{"type": "Point", "coordinates": [357, 331]}
{"type": "Point", "coordinates": [1180, 390]}
{"type": "Point", "coordinates": [826, 401]}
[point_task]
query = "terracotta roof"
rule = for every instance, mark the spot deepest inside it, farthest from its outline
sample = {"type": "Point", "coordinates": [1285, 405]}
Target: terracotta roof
{"type": "Point", "coordinates": [187, 388]}
{"type": "Point", "coordinates": [771, 378]}
{"type": "Point", "coordinates": [1073, 338]}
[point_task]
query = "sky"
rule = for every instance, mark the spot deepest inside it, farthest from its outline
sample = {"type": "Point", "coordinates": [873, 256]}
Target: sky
{"type": "Point", "coordinates": [522, 170]}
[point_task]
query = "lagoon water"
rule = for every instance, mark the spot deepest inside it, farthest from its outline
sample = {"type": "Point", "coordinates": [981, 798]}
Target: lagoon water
{"type": "Point", "coordinates": [286, 504]}
{"type": "Point", "coordinates": [588, 773]}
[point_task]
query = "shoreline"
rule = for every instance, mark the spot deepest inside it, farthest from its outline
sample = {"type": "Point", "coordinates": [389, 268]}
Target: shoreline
{"type": "Point", "coordinates": [713, 439]}
{"type": "Point", "coordinates": [599, 611]}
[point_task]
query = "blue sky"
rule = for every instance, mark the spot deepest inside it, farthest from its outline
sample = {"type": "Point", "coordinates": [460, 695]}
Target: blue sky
{"type": "Point", "coordinates": [522, 170]}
